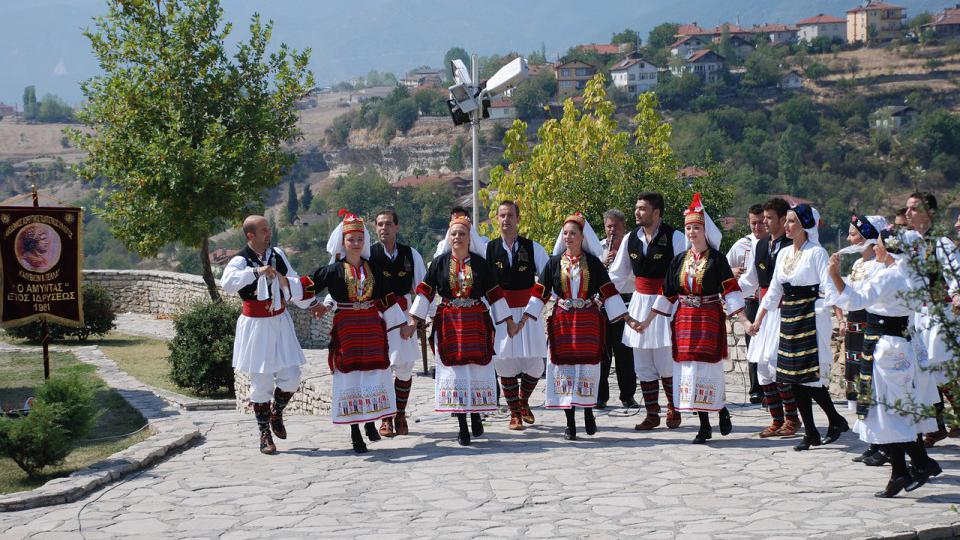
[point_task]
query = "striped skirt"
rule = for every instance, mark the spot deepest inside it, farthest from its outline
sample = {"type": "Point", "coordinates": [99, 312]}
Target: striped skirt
{"type": "Point", "coordinates": [798, 355]}
{"type": "Point", "coordinates": [699, 333]}
{"type": "Point", "coordinates": [465, 335]}
{"type": "Point", "coordinates": [576, 335]}
{"type": "Point", "coordinates": [358, 341]}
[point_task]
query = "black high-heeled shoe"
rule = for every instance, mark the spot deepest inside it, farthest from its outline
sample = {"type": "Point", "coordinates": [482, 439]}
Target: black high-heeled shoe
{"type": "Point", "coordinates": [589, 421]}
{"type": "Point", "coordinates": [894, 486]}
{"type": "Point", "coordinates": [871, 450]}
{"type": "Point", "coordinates": [371, 430]}
{"type": "Point", "coordinates": [921, 475]}
{"type": "Point", "coordinates": [570, 432]}
{"type": "Point", "coordinates": [726, 426]}
{"type": "Point", "coordinates": [356, 438]}
{"type": "Point", "coordinates": [705, 433]}
{"type": "Point", "coordinates": [808, 441]}
{"type": "Point", "coordinates": [476, 424]}
{"type": "Point", "coordinates": [834, 432]}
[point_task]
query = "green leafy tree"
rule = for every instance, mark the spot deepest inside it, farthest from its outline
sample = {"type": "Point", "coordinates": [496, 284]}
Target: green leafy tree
{"type": "Point", "coordinates": [538, 56]}
{"type": "Point", "coordinates": [53, 109]}
{"type": "Point", "coordinates": [662, 35]}
{"type": "Point", "coordinates": [678, 92]}
{"type": "Point", "coordinates": [530, 96]}
{"type": "Point", "coordinates": [455, 159]}
{"type": "Point", "coordinates": [361, 192]}
{"type": "Point", "coordinates": [29, 103]}
{"type": "Point", "coordinates": [584, 162]}
{"type": "Point", "coordinates": [186, 137]}
{"type": "Point", "coordinates": [628, 37]}
{"type": "Point", "coordinates": [817, 71]}
{"type": "Point", "coordinates": [763, 69]}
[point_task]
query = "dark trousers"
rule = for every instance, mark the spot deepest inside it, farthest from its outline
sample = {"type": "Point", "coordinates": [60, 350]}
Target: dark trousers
{"type": "Point", "coordinates": [752, 305]}
{"type": "Point", "coordinates": [623, 356]}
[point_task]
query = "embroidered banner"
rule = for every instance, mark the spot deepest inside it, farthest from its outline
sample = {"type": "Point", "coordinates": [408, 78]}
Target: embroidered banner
{"type": "Point", "coordinates": [41, 253]}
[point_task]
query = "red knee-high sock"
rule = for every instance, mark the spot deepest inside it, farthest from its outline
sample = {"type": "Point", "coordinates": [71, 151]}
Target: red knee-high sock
{"type": "Point", "coordinates": [402, 388]}
{"type": "Point", "coordinates": [511, 392]}
{"type": "Point", "coordinates": [528, 384]}
{"type": "Point", "coordinates": [789, 402]}
{"type": "Point", "coordinates": [651, 395]}
{"type": "Point", "coordinates": [668, 390]}
{"type": "Point", "coordinates": [772, 398]}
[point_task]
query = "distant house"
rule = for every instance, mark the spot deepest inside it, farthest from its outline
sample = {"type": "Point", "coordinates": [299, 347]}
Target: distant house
{"type": "Point", "coordinates": [686, 45]}
{"type": "Point", "coordinates": [457, 184]}
{"type": "Point", "coordinates": [707, 64]}
{"type": "Point", "coordinates": [820, 25]}
{"type": "Point", "coordinates": [605, 48]}
{"type": "Point", "coordinates": [502, 109]}
{"type": "Point", "coordinates": [742, 47]}
{"type": "Point", "coordinates": [359, 96]}
{"type": "Point", "coordinates": [7, 110]}
{"type": "Point", "coordinates": [791, 81]}
{"type": "Point", "coordinates": [634, 76]}
{"type": "Point", "coordinates": [572, 77]}
{"type": "Point", "coordinates": [307, 219]}
{"type": "Point", "coordinates": [946, 23]}
{"type": "Point", "coordinates": [712, 34]}
{"type": "Point", "coordinates": [892, 118]}
{"type": "Point", "coordinates": [887, 20]}
{"type": "Point", "coordinates": [423, 77]}
{"type": "Point", "coordinates": [777, 34]}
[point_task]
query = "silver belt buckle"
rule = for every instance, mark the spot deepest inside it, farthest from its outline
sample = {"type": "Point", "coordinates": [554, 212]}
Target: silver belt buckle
{"type": "Point", "coordinates": [692, 301]}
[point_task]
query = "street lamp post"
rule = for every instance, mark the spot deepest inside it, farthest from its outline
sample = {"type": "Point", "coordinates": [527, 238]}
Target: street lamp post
{"type": "Point", "coordinates": [474, 134]}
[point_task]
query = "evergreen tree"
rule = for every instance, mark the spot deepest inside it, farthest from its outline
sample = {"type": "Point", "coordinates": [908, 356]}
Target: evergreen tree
{"type": "Point", "coordinates": [29, 103]}
{"type": "Point", "coordinates": [306, 200]}
{"type": "Point", "coordinates": [292, 205]}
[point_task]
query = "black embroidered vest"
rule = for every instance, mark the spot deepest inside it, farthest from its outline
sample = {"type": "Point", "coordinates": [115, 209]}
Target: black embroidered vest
{"type": "Point", "coordinates": [766, 260]}
{"type": "Point", "coordinates": [522, 273]}
{"type": "Point", "coordinates": [253, 261]}
{"type": "Point", "coordinates": [396, 275]}
{"type": "Point", "coordinates": [656, 262]}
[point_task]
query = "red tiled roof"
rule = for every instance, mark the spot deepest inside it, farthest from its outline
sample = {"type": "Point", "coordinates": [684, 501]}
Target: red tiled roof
{"type": "Point", "coordinates": [602, 48]}
{"type": "Point", "coordinates": [947, 16]}
{"type": "Point", "coordinates": [761, 28]}
{"type": "Point", "coordinates": [688, 29]}
{"type": "Point", "coordinates": [683, 40]}
{"type": "Point", "coordinates": [820, 18]}
{"type": "Point", "coordinates": [874, 6]}
{"type": "Point", "coordinates": [700, 54]}
{"type": "Point", "coordinates": [718, 30]}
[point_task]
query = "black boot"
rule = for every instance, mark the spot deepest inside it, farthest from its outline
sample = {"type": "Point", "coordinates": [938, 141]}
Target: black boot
{"type": "Point", "coordinates": [570, 433]}
{"type": "Point", "coordinates": [835, 430]}
{"type": "Point", "coordinates": [809, 439]}
{"type": "Point", "coordinates": [280, 400]}
{"type": "Point", "coordinates": [463, 436]}
{"type": "Point", "coordinates": [476, 424]}
{"type": "Point", "coordinates": [262, 413]}
{"type": "Point", "coordinates": [726, 426]}
{"type": "Point", "coordinates": [899, 474]}
{"type": "Point", "coordinates": [589, 422]}
{"type": "Point", "coordinates": [871, 450]}
{"type": "Point", "coordinates": [878, 459]}
{"type": "Point", "coordinates": [706, 432]}
{"type": "Point", "coordinates": [356, 437]}
{"type": "Point", "coordinates": [371, 429]}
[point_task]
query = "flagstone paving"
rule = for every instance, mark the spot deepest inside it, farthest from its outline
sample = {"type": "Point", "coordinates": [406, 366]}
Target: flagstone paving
{"type": "Point", "coordinates": [532, 483]}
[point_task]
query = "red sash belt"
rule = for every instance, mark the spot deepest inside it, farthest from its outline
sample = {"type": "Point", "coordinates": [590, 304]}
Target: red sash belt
{"type": "Point", "coordinates": [518, 298]}
{"type": "Point", "coordinates": [763, 292]}
{"type": "Point", "coordinates": [261, 308]}
{"type": "Point", "coordinates": [649, 285]}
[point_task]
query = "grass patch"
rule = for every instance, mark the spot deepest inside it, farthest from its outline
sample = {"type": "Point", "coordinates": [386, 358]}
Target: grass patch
{"type": "Point", "coordinates": [146, 359]}
{"type": "Point", "coordinates": [22, 372]}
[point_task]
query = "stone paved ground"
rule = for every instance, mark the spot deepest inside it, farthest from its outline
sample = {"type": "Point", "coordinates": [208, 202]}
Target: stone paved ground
{"type": "Point", "coordinates": [617, 483]}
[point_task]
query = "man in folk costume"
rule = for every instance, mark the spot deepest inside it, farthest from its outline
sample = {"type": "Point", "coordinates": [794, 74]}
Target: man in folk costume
{"type": "Point", "coordinates": [365, 313]}
{"type": "Point", "coordinates": [265, 346]}
{"type": "Point", "coordinates": [936, 253]}
{"type": "Point", "coordinates": [741, 256]}
{"type": "Point", "coordinates": [700, 292]}
{"type": "Point", "coordinates": [641, 269]}
{"type": "Point", "coordinates": [579, 280]}
{"type": "Point", "coordinates": [466, 379]}
{"type": "Point", "coordinates": [399, 268]}
{"type": "Point", "coordinates": [520, 343]}
{"type": "Point", "coordinates": [762, 350]}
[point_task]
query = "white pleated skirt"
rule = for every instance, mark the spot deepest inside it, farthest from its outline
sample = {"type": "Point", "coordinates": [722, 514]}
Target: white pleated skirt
{"type": "Point", "coordinates": [362, 396]}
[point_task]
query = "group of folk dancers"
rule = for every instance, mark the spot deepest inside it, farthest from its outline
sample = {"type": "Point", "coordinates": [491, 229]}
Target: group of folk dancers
{"type": "Point", "coordinates": [486, 300]}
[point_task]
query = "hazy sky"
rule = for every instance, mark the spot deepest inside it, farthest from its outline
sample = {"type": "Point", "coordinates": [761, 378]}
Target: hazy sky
{"type": "Point", "coordinates": [41, 41]}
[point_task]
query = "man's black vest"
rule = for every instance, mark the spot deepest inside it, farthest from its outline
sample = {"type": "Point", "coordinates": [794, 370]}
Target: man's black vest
{"type": "Point", "coordinates": [656, 262]}
{"type": "Point", "coordinates": [766, 260]}
{"type": "Point", "coordinates": [253, 261]}
{"type": "Point", "coordinates": [396, 275]}
{"type": "Point", "coordinates": [517, 276]}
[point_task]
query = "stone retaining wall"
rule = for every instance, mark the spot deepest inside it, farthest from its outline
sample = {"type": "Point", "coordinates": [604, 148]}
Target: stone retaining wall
{"type": "Point", "coordinates": [164, 294]}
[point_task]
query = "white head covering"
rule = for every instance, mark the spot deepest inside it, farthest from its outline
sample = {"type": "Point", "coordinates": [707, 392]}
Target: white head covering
{"type": "Point", "coordinates": [335, 245]}
{"type": "Point", "coordinates": [710, 229]}
{"type": "Point", "coordinates": [478, 245]}
{"type": "Point", "coordinates": [879, 223]}
{"type": "Point", "coordinates": [591, 244]}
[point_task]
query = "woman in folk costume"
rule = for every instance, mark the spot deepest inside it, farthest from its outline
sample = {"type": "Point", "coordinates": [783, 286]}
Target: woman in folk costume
{"type": "Point", "coordinates": [804, 353]}
{"type": "Point", "coordinates": [701, 288]}
{"type": "Point", "coordinates": [890, 371]}
{"type": "Point", "coordinates": [863, 234]}
{"type": "Point", "coordinates": [466, 381]}
{"type": "Point", "coordinates": [363, 390]}
{"type": "Point", "coordinates": [577, 276]}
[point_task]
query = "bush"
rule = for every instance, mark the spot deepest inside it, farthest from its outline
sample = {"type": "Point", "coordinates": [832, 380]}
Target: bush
{"type": "Point", "coordinates": [36, 440]}
{"type": "Point", "coordinates": [201, 353]}
{"type": "Point", "coordinates": [98, 319]}
{"type": "Point", "coordinates": [74, 395]}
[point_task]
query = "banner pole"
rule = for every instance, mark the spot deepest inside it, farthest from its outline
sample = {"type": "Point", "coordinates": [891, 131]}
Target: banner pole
{"type": "Point", "coordinates": [45, 331]}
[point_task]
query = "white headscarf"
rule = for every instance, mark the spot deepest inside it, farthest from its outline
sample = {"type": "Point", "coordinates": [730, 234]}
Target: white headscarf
{"type": "Point", "coordinates": [879, 223]}
{"type": "Point", "coordinates": [812, 233]}
{"type": "Point", "coordinates": [478, 244]}
{"type": "Point", "coordinates": [336, 248]}
{"type": "Point", "coordinates": [591, 244]}
{"type": "Point", "coordinates": [710, 229]}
